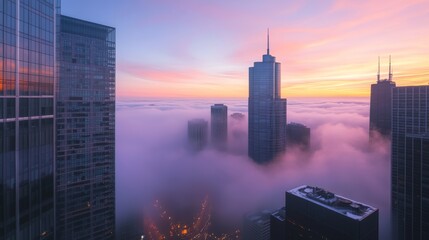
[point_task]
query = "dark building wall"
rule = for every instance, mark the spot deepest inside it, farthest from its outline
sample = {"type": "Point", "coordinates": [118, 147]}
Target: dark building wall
{"type": "Point", "coordinates": [410, 121]}
{"type": "Point", "coordinates": [298, 135]}
{"type": "Point", "coordinates": [380, 118]}
{"type": "Point", "coordinates": [27, 77]}
{"type": "Point", "coordinates": [85, 129]}
{"type": "Point", "coordinates": [277, 225]}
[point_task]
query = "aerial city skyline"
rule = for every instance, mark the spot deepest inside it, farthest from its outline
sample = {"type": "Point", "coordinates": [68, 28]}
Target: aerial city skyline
{"type": "Point", "coordinates": [103, 137]}
{"type": "Point", "coordinates": [267, 110]}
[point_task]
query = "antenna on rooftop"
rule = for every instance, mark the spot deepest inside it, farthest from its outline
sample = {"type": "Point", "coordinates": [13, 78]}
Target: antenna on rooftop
{"type": "Point", "coordinates": [378, 75]}
{"type": "Point", "coordinates": [390, 68]}
{"type": "Point", "coordinates": [268, 41]}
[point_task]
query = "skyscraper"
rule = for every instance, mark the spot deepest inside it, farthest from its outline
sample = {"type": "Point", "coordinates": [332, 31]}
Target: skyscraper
{"type": "Point", "coordinates": [219, 126]}
{"type": "Point", "coordinates": [197, 134]}
{"type": "Point", "coordinates": [314, 213]}
{"type": "Point", "coordinates": [410, 166]}
{"type": "Point", "coordinates": [381, 104]}
{"type": "Point", "coordinates": [85, 128]}
{"type": "Point", "coordinates": [267, 110]}
{"type": "Point", "coordinates": [27, 78]}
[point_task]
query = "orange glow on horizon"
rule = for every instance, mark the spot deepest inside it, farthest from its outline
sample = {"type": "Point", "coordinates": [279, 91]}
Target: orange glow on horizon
{"type": "Point", "coordinates": [326, 49]}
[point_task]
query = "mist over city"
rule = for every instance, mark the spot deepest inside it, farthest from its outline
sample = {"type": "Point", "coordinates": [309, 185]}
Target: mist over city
{"type": "Point", "coordinates": [214, 120]}
{"type": "Point", "coordinates": [152, 151]}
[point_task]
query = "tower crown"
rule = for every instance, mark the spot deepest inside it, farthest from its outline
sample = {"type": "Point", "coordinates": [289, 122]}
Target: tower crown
{"type": "Point", "coordinates": [390, 78]}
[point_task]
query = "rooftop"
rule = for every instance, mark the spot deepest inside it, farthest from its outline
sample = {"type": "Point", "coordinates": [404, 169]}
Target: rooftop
{"type": "Point", "coordinates": [297, 124]}
{"type": "Point", "coordinates": [198, 121]}
{"type": "Point", "coordinates": [280, 214]}
{"type": "Point", "coordinates": [352, 209]}
{"type": "Point", "coordinates": [260, 218]}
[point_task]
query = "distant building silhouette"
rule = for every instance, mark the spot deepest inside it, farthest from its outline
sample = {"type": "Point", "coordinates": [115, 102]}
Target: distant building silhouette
{"type": "Point", "coordinates": [256, 226]}
{"type": "Point", "coordinates": [238, 116]}
{"type": "Point", "coordinates": [267, 110]}
{"type": "Point", "coordinates": [265, 225]}
{"type": "Point", "coordinates": [313, 213]}
{"type": "Point", "coordinates": [85, 117]}
{"type": "Point", "coordinates": [298, 135]}
{"type": "Point", "coordinates": [219, 126]}
{"type": "Point", "coordinates": [197, 134]}
{"type": "Point", "coordinates": [27, 77]}
{"type": "Point", "coordinates": [410, 162]}
{"type": "Point", "coordinates": [381, 104]}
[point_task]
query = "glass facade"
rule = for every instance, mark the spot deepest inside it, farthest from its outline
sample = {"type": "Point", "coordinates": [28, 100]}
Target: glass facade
{"type": "Point", "coordinates": [410, 152]}
{"type": "Point", "coordinates": [85, 128]}
{"type": "Point", "coordinates": [27, 63]}
{"type": "Point", "coordinates": [380, 107]}
{"type": "Point", "coordinates": [267, 111]}
{"type": "Point", "coordinates": [197, 134]}
{"type": "Point", "coordinates": [219, 126]}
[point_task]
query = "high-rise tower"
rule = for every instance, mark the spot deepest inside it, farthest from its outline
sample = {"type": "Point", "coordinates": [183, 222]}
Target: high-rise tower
{"type": "Point", "coordinates": [381, 104]}
{"type": "Point", "coordinates": [27, 78]}
{"type": "Point", "coordinates": [219, 126]}
{"type": "Point", "coordinates": [410, 165]}
{"type": "Point", "coordinates": [267, 110]}
{"type": "Point", "coordinates": [197, 134]}
{"type": "Point", "coordinates": [85, 144]}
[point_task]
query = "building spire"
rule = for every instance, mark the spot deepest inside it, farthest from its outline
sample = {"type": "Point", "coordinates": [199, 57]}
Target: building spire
{"type": "Point", "coordinates": [268, 41]}
{"type": "Point", "coordinates": [390, 68]}
{"type": "Point", "coordinates": [378, 74]}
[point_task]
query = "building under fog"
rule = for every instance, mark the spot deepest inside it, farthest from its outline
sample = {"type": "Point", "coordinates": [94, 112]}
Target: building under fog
{"type": "Point", "coordinates": [409, 164]}
{"type": "Point", "coordinates": [314, 213]}
{"type": "Point", "coordinates": [267, 110]}
{"type": "Point", "coordinates": [298, 135]}
{"type": "Point", "coordinates": [381, 104]}
{"type": "Point", "coordinates": [238, 116]}
{"type": "Point", "coordinates": [256, 226]}
{"type": "Point", "coordinates": [197, 134]}
{"type": "Point", "coordinates": [265, 225]}
{"type": "Point", "coordinates": [219, 126]}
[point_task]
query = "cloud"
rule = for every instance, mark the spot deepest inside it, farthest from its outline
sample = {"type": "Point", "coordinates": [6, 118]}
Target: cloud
{"type": "Point", "coordinates": [153, 161]}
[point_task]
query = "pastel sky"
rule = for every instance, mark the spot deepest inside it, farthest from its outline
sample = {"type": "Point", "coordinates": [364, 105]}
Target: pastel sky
{"type": "Point", "coordinates": [203, 48]}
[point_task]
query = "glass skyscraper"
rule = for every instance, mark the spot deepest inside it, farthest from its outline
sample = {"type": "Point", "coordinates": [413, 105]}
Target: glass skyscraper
{"type": "Point", "coordinates": [267, 110]}
{"type": "Point", "coordinates": [27, 78]}
{"type": "Point", "coordinates": [197, 134]}
{"type": "Point", "coordinates": [380, 119]}
{"type": "Point", "coordinates": [410, 166]}
{"type": "Point", "coordinates": [85, 128]}
{"type": "Point", "coordinates": [219, 126]}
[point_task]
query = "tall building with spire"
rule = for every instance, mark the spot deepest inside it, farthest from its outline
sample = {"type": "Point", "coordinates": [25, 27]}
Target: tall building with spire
{"type": "Point", "coordinates": [267, 110]}
{"type": "Point", "coordinates": [380, 118]}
